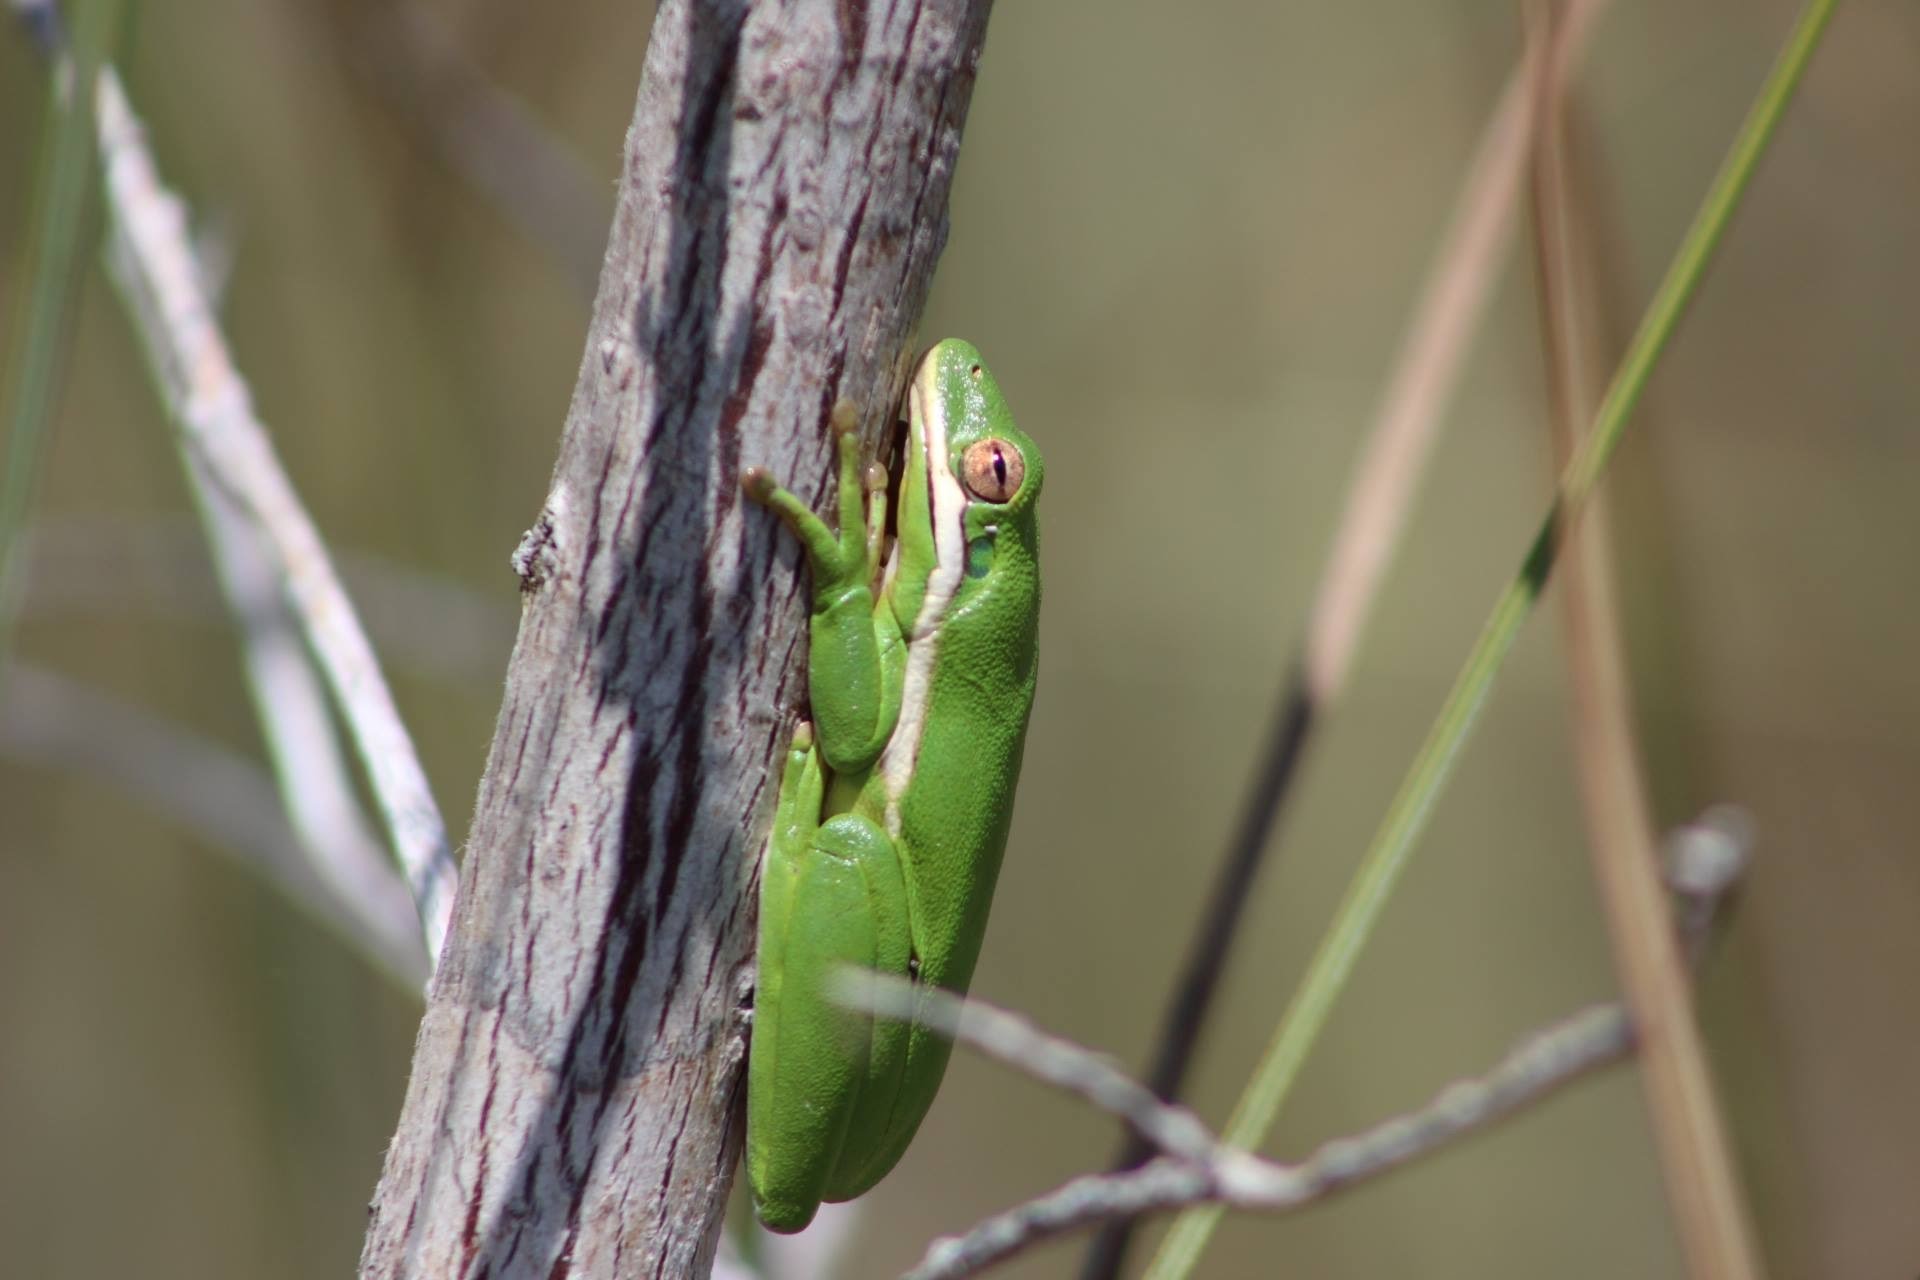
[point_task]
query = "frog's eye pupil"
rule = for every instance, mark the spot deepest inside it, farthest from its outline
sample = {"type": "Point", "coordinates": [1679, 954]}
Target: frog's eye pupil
{"type": "Point", "coordinates": [992, 470]}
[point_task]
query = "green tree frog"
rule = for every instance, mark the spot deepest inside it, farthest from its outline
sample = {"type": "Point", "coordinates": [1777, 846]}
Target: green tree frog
{"type": "Point", "coordinates": [895, 799]}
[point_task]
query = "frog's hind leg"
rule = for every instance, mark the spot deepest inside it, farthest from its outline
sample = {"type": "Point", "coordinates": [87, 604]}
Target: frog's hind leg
{"type": "Point", "coordinates": [821, 1080]}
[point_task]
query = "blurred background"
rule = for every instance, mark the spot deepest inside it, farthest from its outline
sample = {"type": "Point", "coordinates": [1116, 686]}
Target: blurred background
{"type": "Point", "coordinates": [1188, 239]}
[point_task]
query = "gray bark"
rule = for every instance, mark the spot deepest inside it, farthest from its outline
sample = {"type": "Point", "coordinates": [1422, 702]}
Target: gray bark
{"type": "Point", "coordinates": [575, 1094]}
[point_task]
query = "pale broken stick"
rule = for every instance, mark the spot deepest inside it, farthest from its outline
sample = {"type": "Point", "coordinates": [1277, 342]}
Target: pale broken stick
{"type": "Point", "coordinates": [315, 778]}
{"type": "Point", "coordinates": [211, 406]}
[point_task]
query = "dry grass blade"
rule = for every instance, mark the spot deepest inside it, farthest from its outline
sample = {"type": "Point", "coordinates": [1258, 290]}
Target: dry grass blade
{"type": "Point", "coordinates": [1702, 1186]}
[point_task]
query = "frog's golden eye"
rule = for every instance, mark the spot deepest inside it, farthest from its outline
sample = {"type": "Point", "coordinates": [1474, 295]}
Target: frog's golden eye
{"type": "Point", "coordinates": [992, 470]}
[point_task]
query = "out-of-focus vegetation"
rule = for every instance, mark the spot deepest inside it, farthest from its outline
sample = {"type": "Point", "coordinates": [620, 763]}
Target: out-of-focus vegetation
{"type": "Point", "coordinates": [1187, 238]}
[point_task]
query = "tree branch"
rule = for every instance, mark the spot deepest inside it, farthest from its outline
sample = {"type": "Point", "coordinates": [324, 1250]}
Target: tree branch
{"type": "Point", "coordinates": [575, 1083]}
{"type": "Point", "coordinates": [1198, 1168]}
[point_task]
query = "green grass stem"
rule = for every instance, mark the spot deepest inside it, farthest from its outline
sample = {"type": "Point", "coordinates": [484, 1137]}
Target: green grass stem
{"type": "Point", "coordinates": [1406, 817]}
{"type": "Point", "coordinates": [46, 316]}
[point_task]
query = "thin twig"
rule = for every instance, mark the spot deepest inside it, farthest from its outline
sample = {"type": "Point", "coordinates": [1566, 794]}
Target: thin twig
{"type": "Point", "coordinates": [312, 771]}
{"type": "Point", "coordinates": [1702, 1186]}
{"type": "Point", "coordinates": [221, 797]}
{"type": "Point", "coordinates": [1199, 1169]}
{"type": "Point", "coordinates": [210, 404]}
{"type": "Point", "coordinates": [315, 783]}
{"type": "Point", "coordinates": [1011, 1039]}
{"type": "Point", "coordinates": [1705, 862]}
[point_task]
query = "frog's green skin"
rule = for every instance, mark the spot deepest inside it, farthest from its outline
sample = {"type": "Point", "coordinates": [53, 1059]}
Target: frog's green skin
{"type": "Point", "coordinates": [894, 802]}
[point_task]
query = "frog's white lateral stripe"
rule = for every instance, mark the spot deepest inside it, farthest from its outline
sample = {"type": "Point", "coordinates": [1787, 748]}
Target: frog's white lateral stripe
{"type": "Point", "coordinates": [946, 509]}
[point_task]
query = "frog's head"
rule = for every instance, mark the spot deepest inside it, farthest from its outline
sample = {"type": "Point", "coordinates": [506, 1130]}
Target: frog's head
{"type": "Point", "coordinates": [968, 486]}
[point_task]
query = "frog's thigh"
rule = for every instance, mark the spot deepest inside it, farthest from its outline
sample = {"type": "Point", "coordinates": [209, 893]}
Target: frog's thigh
{"type": "Point", "coordinates": [821, 1079]}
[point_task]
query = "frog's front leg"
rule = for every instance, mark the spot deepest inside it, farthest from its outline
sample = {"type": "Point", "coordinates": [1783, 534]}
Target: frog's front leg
{"type": "Point", "coordinates": [821, 1080]}
{"type": "Point", "coordinates": [856, 657]}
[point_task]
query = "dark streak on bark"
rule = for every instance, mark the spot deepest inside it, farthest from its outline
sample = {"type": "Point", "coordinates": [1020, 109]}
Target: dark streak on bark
{"type": "Point", "coordinates": [519, 752]}
{"type": "Point", "coordinates": [829, 388]}
{"type": "Point", "coordinates": [593, 542]}
{"type": "Point", "coordinates": [847, 246]}
{"type": "Point", "coordinates": [853, 30]}
{"type": "Point", "coordinates": [663, 1194]}
{"type": "Point", "coordinates": [673, 980]}
{"type": "Point", "coordinates": [470, 1233]}
{"type": "Point", "coordinates": [913, 33]}
{"type": "Point", "coordinates": [686, 790]}
{"type": "Point", "coordinates": [563, 1260]}
{"type": "Point", "coordinates": [752, 362]}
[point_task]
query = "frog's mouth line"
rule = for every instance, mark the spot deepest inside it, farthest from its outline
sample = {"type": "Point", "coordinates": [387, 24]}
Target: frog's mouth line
{"type": "Point", "coordinates": [946, 502]}
{"type": "Point", "coordinates": [946, 507]}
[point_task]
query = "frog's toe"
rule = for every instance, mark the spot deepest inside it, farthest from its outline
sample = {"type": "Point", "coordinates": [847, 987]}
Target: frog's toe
{"type": "Point", "coordinates": [783, 1216]}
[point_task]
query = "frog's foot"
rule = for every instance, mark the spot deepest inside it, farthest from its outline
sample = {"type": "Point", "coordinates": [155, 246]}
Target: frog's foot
{"type": "Point", "coordinates": [844, 560]}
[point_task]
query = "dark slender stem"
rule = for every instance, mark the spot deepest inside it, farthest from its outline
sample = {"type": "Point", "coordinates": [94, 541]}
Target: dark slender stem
{"type": "Point", "coordinates": [1181, 1022]}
